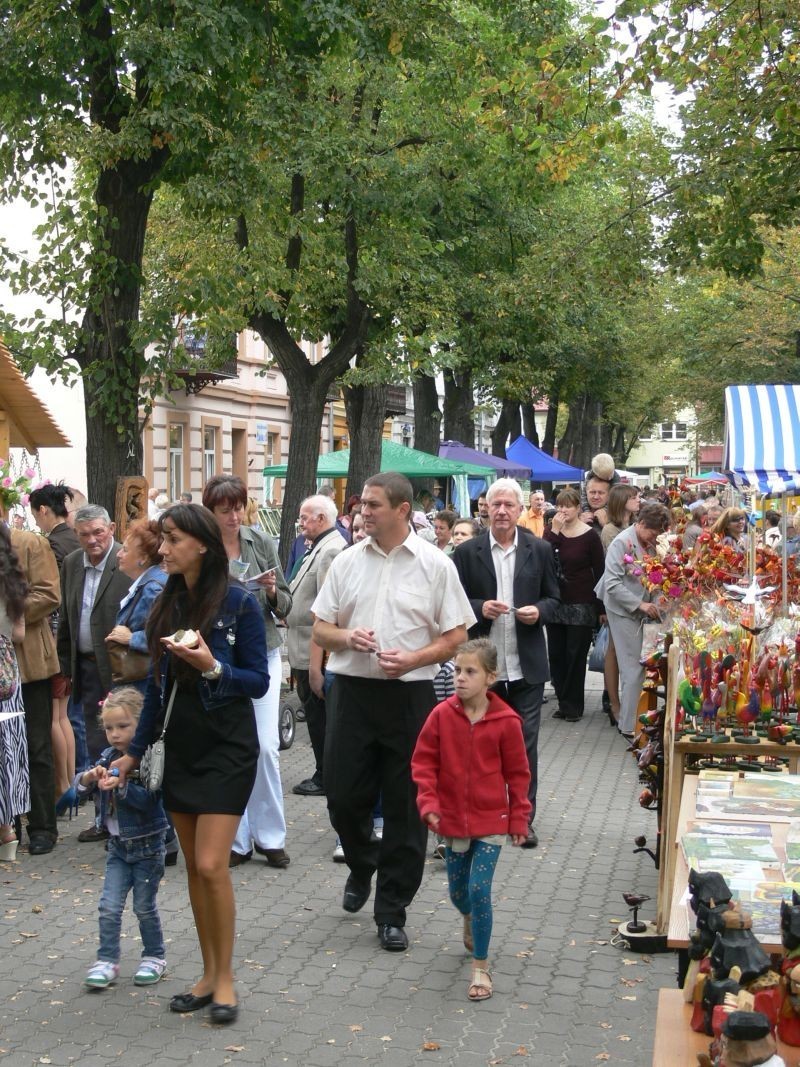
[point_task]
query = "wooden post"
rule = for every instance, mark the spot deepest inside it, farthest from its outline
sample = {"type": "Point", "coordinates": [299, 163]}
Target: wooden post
{"type": "Point", "coordinates": [130, 503]}
{"type": "Point", "coordinates": [5, 435]}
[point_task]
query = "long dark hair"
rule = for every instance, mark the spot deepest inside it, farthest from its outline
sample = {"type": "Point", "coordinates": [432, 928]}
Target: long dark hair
{"type": "Point", "coordinates": [13, 586]}
{"type": "Point", "coordinates": [179, 607]}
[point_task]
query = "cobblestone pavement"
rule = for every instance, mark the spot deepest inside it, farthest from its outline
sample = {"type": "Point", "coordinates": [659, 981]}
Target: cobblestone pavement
{"type": "Point", "coordinates": [314, 986]}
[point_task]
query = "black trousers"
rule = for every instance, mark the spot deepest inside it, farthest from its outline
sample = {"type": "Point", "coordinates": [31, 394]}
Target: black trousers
{"type": "Point", "coordinates": [91, 693]}
{"type": "Point", "coordinates": [315, 720]}
{"type": "Point", "coordinates": [568, 647]}
{"type": "Point", "coordinates": [38, 723]}
{"type": "Point", "coordinates": [372, 729]}
{"type": "Point", "coordinates": [526, 700]}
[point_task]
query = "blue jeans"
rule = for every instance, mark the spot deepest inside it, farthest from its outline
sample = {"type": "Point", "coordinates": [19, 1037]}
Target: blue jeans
{"type": "Point", "coordinates": [137, 865]}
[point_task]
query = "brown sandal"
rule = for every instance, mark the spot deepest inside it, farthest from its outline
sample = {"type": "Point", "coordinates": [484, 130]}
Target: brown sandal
{"type": "Point", "coordinates": [480, 985]}
{"type": "Point", "coordinates": [469, 944]}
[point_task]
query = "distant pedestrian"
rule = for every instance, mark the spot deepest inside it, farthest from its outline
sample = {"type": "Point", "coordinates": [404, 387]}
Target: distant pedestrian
{"type": "Point", "coordinates": [471, 771]}
{"type": "Point", "coordinates": [136, 824]}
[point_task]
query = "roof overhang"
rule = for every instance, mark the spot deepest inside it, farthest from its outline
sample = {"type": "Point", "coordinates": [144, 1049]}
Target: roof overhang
{"type": "Point", "coordinates": [31, 425]}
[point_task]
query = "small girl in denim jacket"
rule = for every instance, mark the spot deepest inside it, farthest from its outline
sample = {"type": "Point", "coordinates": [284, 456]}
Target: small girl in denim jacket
{"type": "Point", "coordinates": [136, 824]}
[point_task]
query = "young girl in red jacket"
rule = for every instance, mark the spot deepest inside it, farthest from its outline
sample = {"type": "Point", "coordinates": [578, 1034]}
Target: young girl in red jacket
{"type": "Point", "coordinates": [472, 776]}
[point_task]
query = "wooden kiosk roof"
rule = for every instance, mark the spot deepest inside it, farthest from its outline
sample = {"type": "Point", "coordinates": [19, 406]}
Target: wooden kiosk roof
{"type": "Point", "coordinates": [28, 423]}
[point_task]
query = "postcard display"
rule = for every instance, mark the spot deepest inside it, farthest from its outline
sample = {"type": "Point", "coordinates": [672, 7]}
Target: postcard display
{"type": "Point", "coordinates": [730, 718]}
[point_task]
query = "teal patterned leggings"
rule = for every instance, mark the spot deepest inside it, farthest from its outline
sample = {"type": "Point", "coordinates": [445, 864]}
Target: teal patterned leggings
{"type": "Point", "coordinates": [469, 875]}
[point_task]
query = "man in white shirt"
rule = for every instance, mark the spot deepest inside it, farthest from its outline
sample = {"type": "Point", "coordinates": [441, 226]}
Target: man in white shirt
{"type": "Point", "coordinates": [509, 576]}
{"type": "Point", "coordinates": [391, 610]}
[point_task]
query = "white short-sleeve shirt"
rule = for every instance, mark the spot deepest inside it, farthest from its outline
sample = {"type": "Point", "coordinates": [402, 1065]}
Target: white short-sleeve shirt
{"type": "Point", "coordinates": [409, 597]}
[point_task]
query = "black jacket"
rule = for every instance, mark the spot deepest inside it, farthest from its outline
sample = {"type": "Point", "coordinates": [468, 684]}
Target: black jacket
{"type": "Point", "coordinates": [535, 582]}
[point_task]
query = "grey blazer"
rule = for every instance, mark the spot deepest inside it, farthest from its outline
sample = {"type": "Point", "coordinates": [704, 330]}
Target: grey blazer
{"type": "Point", "coordinates": [304, 588]}
{"type": "Point", "coordinates": [620, 589]}
{"type": "Point", "coordinates": [112, 588]}
{"type": "Point", "coordinates": [259, 551]}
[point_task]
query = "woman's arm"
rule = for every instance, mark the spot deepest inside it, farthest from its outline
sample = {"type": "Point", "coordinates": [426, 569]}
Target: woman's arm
{"type": "Point", "coordinates": [150, 592]}
{"type": "Point", "coordinates": [245, 672]}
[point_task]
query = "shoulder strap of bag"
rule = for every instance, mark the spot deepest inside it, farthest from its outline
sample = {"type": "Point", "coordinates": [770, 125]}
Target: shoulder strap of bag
{"type": "Point", "coordinates": [169, 709]}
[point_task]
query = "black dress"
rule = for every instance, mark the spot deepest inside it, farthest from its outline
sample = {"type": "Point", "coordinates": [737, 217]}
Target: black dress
{"type": "Point", "coordinates": [210, 764]}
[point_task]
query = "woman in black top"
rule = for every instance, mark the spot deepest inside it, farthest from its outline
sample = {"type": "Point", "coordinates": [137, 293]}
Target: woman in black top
{"type": "Point", "coordinates": [580, 553]}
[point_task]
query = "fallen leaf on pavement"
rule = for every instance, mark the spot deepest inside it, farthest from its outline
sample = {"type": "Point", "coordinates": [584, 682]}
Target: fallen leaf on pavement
{"type": "Point", "coordinates": [234, 1048]}
{"type": "Point", "coordinates": [430, 1046]}
{"type": "Point", "coordinates": [356, 1029]}
{"type": "Point", "coordinates": [521, 1051]}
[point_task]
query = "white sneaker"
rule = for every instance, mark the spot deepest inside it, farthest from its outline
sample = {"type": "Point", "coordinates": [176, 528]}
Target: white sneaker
{"type": "Point", "coordinates": [151, 970]}
{"type": "Point", "coordinates": [338, 852]}
{"type": "Point", "coordinates": [101, 975]}
{"type": "Point", "coordinates": [377, 829]}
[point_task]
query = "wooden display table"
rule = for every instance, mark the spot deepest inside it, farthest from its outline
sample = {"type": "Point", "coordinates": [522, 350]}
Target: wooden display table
{"type": "Point", "coordinates": [677, 1045]}
{"type": "Point", "coordinates": [673, 815]}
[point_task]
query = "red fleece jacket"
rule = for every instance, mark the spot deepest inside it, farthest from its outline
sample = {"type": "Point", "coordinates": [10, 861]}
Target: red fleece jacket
{"type": "Point", "coordinates": [475, 776]}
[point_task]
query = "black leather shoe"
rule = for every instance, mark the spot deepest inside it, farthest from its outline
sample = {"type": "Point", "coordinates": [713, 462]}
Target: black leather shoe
{"type": "Point", "coordinates": [238, 858]}
{"type": "Point", "coordinates": [40, 844]}
{"type": "Point", "coordinates": [189, 1002]}
{"type": "Point", "coordinates": [93, 833]}
{"type": "Point", "coordinates": [392, 938]}
{"type": "Point", "coordinates": [557, 714]}
{"type": "Point", "coordinates": [170, 859]}
{"type": "Point", "coordinates": [275, 857]}
{"type": "Point", "coordinates": [532, 840]}
{"type": "Point", "coordinates": [573, 718]}
{"type": "Point", "coordinates": [222, 1014]}
{"type": "Point", "coordinates": [309, 788]}
{"type": "Point", "coordinates": [356, 894]}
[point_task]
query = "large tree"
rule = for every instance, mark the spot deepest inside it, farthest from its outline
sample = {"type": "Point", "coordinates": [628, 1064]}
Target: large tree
{"type": "Point", "coordinates": [99, 104]}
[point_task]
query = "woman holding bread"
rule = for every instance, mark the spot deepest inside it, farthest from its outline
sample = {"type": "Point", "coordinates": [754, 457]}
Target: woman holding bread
{"type": "Point", "coordinates": [216, 671]}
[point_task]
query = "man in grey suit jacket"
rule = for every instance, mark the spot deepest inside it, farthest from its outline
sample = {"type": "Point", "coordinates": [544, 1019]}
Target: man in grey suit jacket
{"type": "Point", "coordinates": [318, 516]}
{"type": "Point", "coordinates": [92, 586]}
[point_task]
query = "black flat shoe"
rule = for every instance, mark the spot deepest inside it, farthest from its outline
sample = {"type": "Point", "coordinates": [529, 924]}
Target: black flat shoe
{"type": "Point", "coordinates": [392, 938]}
{"type": "Point", "coordinates": [531, 839]}
{"type": "Point", "coordinates": [183, 1002]}
{"type": "Point", "coordinates": [222, 1014]}
{"type": "Point", "coordinates": [356, 894]}
{"type": "Point", "coordinates": [170, 859]}
{"type": "Point", "coordinates": [238, 858]}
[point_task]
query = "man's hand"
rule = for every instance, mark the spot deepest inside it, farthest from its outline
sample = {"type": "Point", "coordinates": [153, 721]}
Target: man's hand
{"type": "Point", "coordinates": [493, 609]}
{"type": "Point", "coordinates": [361, 640]}
{"type": "Point", "coordinates": [120, 634]}
{"type": "Point", "coordinates": [529, 614]}
{"type": "Point", "coordinates": [586, 516]}
{"type": "Point", "coordinates": [394, 662]}
{"type": "Point", "coordinates": [601, 516]}
{"type": "Point", "coordinates": [316, 681]}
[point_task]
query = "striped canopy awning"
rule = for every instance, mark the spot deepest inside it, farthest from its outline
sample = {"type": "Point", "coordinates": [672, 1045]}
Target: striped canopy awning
{"type": "Point", "coordinates": [762, 437]}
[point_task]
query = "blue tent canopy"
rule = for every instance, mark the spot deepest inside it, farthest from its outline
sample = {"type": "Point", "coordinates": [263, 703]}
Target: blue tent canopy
{"type": "Point", "coordinates": [543, 467]}
{"type": "Point", "coordinates": [461, 454]}
{"type": "Point", "coordinates": [762, 437]}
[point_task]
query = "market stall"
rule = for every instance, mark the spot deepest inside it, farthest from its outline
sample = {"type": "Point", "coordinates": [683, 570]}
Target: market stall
{"type": "Point", "coordinates": [543, 468]}
{"type": "Point", "coordinates": [394, 457]}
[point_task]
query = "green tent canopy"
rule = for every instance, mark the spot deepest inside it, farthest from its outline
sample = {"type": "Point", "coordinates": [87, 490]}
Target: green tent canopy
{"type": "Point", "coordinates": [394, 457]}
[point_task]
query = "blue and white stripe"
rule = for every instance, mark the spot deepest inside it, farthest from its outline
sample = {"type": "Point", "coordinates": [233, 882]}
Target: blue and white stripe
{"type": "Point", "coordinates": [762, 437]}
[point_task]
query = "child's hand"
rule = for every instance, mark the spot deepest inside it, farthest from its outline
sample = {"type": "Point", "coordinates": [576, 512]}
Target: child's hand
{"type": "Point", "coordinates": [94, 774]}
{"type": "Point", "coordinates": [432, 819]}
{"type": "Point", "coordinates": [517, 839]}
{"type": "Point", "coordinates": [109, 781]}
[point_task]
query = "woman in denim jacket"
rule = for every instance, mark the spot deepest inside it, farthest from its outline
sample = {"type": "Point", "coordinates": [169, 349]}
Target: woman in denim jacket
{"type": "Point", "coordinates": [211, 740]}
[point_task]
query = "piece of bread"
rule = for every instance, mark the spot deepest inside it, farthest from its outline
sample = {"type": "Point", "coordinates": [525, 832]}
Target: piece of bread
{"type": "Point", "coordinates": [187, 638]}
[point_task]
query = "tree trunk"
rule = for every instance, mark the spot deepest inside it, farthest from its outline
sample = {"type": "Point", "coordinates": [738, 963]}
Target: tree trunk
{"type": "Point", "coordinates": [427, 416]}
{"type": "Point", "coordinates": [509, 424]}
{"type": "Point", "coordinates": [549, 439]}
{"type": "Point", "coordinates": [529, 423]}
{"type": "Point", "coordinates": [308, 387]}
{"type": "Point", "coordinates": [365, 406]}
{"type": "Point", "coordinates": [459, 407]}
{"type": "Point", "coordinates": [570, 443]}
{"type": "Point", "coordinates": [110, 367]}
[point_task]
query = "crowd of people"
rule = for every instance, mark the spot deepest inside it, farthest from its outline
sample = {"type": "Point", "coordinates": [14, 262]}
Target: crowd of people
{"type": "Point", "coordinates": [420, 644]}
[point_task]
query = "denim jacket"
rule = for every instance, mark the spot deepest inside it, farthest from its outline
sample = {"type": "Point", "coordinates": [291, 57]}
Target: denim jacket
{"type": "Point", "coordinates": [134, 614]}
{"type": "Point", "coordinates": [238, 640]}
{"type": "Point", "coordinates": [139, 813]}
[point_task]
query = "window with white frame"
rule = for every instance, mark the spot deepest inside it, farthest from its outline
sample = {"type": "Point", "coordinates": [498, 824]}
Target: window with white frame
{"type": "Point", "coordinates": [272, 452]}
{"type": "Point", "coordinates": [673, 431]}
{"type": "Point", "coordinates": [209, 452]}
{"type": "Point", "coordinates": [175, 460]}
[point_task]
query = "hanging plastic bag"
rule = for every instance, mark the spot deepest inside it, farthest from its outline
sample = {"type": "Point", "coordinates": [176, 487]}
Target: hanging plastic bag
{"type": "Point", "coordinates": [597, 657]}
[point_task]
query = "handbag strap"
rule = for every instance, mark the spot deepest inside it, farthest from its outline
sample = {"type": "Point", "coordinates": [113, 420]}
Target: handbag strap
{"type": "Point", "coordinates": [170, 702]}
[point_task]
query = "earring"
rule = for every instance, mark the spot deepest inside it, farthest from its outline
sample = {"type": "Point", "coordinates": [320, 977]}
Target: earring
{"type": "Point", "coordinates": [142, 562]}
{"type": "Point", "coordinates": [202, 551]}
